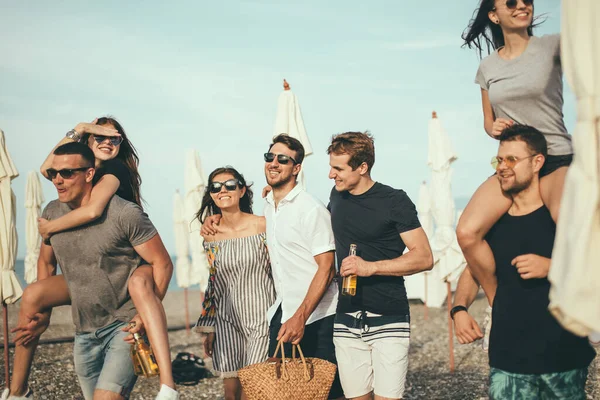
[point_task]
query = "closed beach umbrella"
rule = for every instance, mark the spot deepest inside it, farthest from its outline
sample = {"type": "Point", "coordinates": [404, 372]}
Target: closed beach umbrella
{"type": "Point", "coordinates": [289, 120]}
{"type": "Point", "coordinates": [10, 289]}
{"type": "Point", "coordinates": [444, 243]}
{"type": "Point", "coordinates": [195, 183]}
{"type": "Point", "coordinates": [34, 197]}
{"type": "Point", "coordinates": [182, 263]}
{"type": "Point", "coordinates": [575, 267]}
{"type": "Point", "coordinates": [451, 261]}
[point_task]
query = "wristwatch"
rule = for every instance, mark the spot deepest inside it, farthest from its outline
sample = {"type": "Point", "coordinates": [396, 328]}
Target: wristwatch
{"type": "Point", "coordinates": [74, 135]}
{"type": "Point", "coordinates": [456, 309]}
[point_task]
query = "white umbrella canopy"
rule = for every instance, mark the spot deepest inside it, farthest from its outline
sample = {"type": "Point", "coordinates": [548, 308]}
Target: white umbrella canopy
{"type": "Point", "coordinates": [424, 209]}
{"type": "Point", "coordinates": [574, 271]}
{"type": "Point", "coordinates": [10, 289]}
{"type": "Point", "coordinates": [195, 183]}
{"type": "Point", "coordinates": [182, 236]}
{"type": "Point", "coordinates": [289, 120]}
{"type": "Point", "coordinates": [444, 243]}
{"type": "Point", "coordinates": [34, 197]}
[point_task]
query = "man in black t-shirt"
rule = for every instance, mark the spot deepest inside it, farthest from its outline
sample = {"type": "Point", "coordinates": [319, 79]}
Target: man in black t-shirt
{"type": "Point", "coordinates": [372, 328]}
{"type": "Point", "coordinates": [531, 355]}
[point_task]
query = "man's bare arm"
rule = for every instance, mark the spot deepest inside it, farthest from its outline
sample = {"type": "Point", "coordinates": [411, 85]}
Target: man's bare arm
{"type": "Point", "coordinates": [293, 329]}
{"type": "Point", "coordinates": [466, 289]}
{"type": "Point", "coordinates": [154, 253]}
{"type": "Point", "coordinates": [46, 265]}
{"type": "Point", "coordinates": [418, 258]}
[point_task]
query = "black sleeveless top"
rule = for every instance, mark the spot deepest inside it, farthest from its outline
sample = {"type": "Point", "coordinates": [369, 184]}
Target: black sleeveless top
{"type": "Point", "coordinates": [525, 337]}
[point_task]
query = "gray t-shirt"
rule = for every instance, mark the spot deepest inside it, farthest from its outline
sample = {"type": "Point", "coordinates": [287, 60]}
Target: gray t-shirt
{"type": "Point", "coordinates": [529, 90]}
{"type": "Point", "coordinates": [97, 259]}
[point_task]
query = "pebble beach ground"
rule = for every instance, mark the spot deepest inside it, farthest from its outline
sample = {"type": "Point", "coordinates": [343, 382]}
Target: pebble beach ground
{"type": "Point", "coordinates": [429, 377]}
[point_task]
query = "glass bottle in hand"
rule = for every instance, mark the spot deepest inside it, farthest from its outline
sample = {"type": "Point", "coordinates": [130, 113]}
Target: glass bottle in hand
{"type": "Point", "coordinates": [349, 282]}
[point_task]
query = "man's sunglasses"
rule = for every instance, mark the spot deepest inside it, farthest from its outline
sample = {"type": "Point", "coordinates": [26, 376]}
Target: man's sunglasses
{"type": "Point", "coordinates": [230, 185]}
{"type": "Point", "coordinates": [115, 140]}
{"type": "Point", "coordinates": [512, 4]}
{"type": "Point", "coordinates": [281, 158]}
{"type": "Point", "coordinates": [66, 173]}
{"type": "Point", "coordinates": [510, 161]}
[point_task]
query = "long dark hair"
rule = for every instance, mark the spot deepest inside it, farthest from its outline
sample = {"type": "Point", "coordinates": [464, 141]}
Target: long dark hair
{"type": "Point", "coordinates": [209, 207]}
{"type": "Point", "coordinates": [127, 154]}
{"type": "Point", "coordinates": [483, 32]}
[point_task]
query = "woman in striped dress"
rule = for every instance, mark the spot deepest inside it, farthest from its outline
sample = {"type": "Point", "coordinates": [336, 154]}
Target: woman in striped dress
{"type": "Point", "coordinates": [240, 288]}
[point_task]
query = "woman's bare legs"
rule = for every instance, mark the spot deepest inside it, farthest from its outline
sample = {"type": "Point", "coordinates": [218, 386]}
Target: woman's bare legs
{"type": "Point", "coordinates": [551, 189]}
{"type": "Point", "coordinates": [233, 389]}
{"type": "Point", "coordinates": [485, 208]}
{"type": "Point", "coordinates": [152, 312]}
{"type": "Point", "coordinates": [38, 297]}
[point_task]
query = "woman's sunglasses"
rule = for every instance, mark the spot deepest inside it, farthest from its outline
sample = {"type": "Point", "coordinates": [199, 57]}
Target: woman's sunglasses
{"type": "Point", "coordinates": [512, 4]}
{"type": "Point", "coordinates": [66, 173]}
{"type": "Point", "coordinates": [115, 140]}
{"type": "Point", "coordinates": [230, 185]}
{"type": "Point", "coordinates": [281, 158]}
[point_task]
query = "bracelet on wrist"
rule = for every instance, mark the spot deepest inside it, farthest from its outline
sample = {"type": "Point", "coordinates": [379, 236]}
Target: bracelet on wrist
{"type": "Point", "coordinates": [73, 135]}
{"type": "Point", "coordinates": [456, 309]}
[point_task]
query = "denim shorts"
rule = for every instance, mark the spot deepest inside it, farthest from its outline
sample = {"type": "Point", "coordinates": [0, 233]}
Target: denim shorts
{"type": "Point", "coordinates": [103, 361]}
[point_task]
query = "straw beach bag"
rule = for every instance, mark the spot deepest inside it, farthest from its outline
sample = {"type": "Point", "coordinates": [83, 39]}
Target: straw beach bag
{"type": "Point", "coordinates": [282, 379]}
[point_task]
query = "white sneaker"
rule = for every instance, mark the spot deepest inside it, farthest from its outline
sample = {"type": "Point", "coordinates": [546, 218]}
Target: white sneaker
{"type": "Point", "coordinates": [167, 393]}
{"type": "Point", "coordinates": [6, 395]}
{"type": "Point", "coordinates": [487, 328]}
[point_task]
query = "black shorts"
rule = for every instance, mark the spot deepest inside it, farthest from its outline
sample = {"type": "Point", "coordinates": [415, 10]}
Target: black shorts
{"type": "Point", "coordinates": [316, 342]}
{"type": "Point", "coordinates": [555, 162]}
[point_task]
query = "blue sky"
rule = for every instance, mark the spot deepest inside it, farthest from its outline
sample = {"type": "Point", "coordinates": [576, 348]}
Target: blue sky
{"type": "Point", "coordinates": [207, 75]}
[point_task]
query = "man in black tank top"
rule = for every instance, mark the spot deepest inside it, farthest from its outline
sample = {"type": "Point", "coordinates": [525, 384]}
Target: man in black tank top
{"type": "Point", "coordinates": [530, 354]}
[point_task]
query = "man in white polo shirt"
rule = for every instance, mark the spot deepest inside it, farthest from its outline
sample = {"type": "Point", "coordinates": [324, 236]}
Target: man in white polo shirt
{"type": "Point", "coordinates": [301, 247]}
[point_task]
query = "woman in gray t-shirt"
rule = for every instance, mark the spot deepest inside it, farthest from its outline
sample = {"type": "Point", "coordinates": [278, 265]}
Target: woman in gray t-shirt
{"type": "Point", "coordinates": [521, 83]}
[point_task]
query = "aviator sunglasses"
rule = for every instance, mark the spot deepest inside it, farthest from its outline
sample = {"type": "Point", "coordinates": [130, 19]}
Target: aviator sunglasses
{"type": "Point", "coordinates": [66, 173]}
{"type": "Point", "coordinates": [230, 185]}
{"type": "Point", "coordinates": [281, 158]}
{"type": "Point", "coordinates": [510, 161]}
{"type": "Point", "coordinates": [115, 140]}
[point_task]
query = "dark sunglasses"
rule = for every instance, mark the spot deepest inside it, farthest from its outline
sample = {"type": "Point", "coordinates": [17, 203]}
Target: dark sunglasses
{"type": "Point", "coordinates": [66, 173]}
{"type": "Point", "coordinates": [115, 140]}
{"type": "Point", "coordinates": [281, 158]}
{"type": "Point", "coordinates": [512, 4]}
{"type": "Point", "coordinates": [230, 185]}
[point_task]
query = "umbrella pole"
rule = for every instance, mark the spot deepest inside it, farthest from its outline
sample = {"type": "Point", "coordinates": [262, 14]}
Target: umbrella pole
{"type": "Point", "coordinates": [6, 354]}
{"type": "Point", "coordinates": [187, 312]}
{"type": "Point", "coordinates": [425, 300]}
{"type": "Point", "coordinates": [450, 330]}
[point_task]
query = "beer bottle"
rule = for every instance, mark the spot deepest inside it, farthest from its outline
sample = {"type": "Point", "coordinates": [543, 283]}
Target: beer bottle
{"type": "Point", "coordinates": [137, 368]}
{"type": "Point", "coordinates": [349, 282]}
{"type": "Point", "coordinates": [144, 362]}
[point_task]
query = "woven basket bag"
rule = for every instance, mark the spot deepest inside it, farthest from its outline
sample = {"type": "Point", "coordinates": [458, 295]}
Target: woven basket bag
{"type": "Point", "coordinates": [283, 379]}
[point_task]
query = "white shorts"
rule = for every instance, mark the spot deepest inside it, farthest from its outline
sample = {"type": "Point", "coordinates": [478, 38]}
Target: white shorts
{"type": "Point", "coordinates": [372, 353]}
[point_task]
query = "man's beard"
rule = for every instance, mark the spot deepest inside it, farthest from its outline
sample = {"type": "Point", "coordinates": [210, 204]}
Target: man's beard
{"type": "Point", "coordinates": [280, 182]}
{"type": "Point", "coordinates": [518, 187]}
